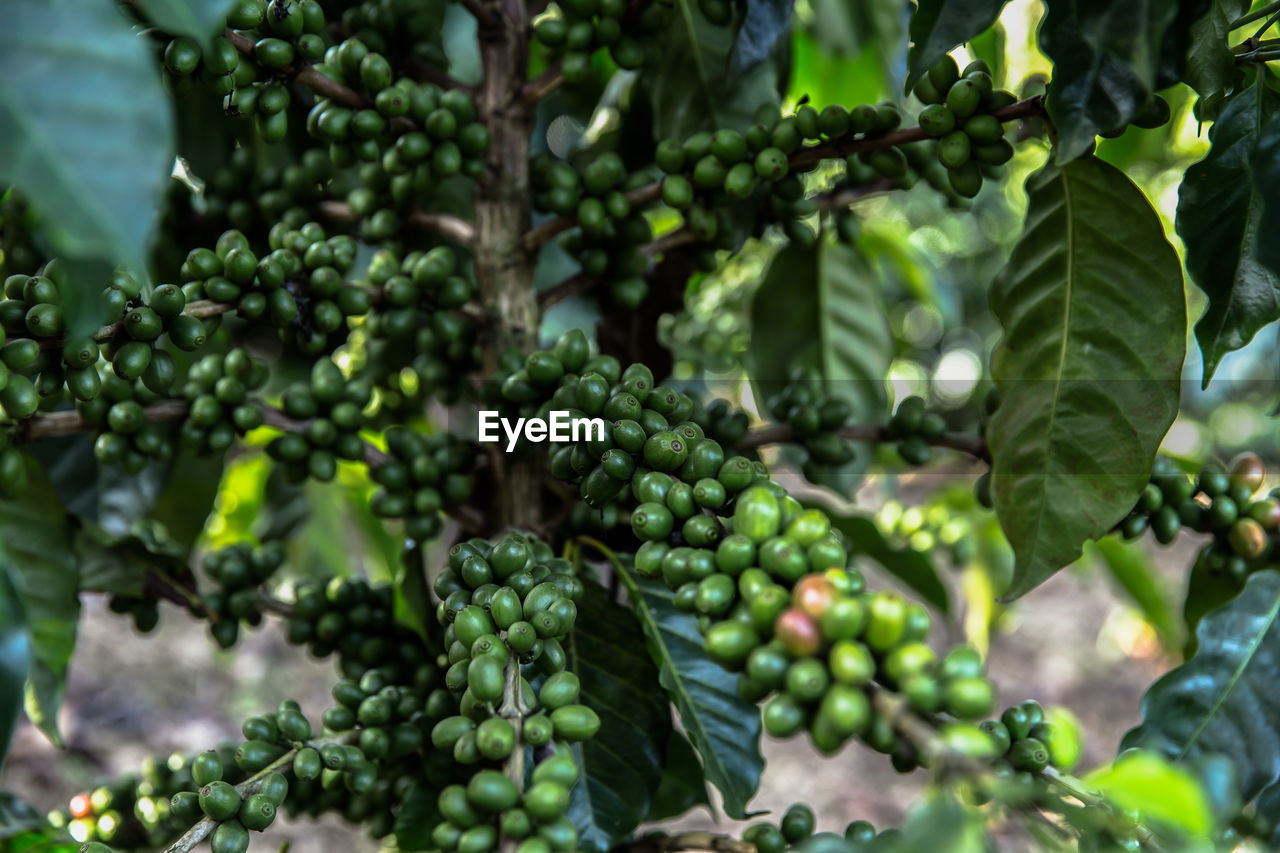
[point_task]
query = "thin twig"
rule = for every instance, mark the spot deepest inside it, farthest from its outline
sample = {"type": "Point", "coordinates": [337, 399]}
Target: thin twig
{"type": "Point", "coordinates": [446, 225]}
{"type": "Point", "coordinates": [544, 84]}
{"type": "Point", "coordinates": [70, 422]}
{"type": "Point", "coordinates": [1255, 15]}
{"type": "Point", "coordinates": [574, 285]}
{"type": "Point", "coordinates": [804, 156]}
{"type": "Point", "coordinates": [783, 434]}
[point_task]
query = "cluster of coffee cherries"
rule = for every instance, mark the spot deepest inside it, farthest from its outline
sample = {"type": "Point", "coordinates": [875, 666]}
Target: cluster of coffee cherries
{"type": "Point", "coordinates": [40, 367]}
{"type": "Point", "coordinates": [768, 578]}
{"type": "Point", "coordinates": [132, 810]}
{"type": "Point", "coordinates": [239, 571]}
{"type": "Point", "coordinates": [914, 429]}
{"type": "Point", "coordinates": [795, 831]}
{"type": "Point", "coordinates": [793, 620]}
{"type": "Point", "coordinates": [417, 324]}
{"type": "Point", "coordinates": [573, 30]}
{"type": "Point", "coordinates": [958, 114]}
{"type": "Point", "coordinates": [610, 233]}
{"type": "Point", "coordinates": [1222, 502]}
{"type": "Point", "coordinates": [299, 285]}
{"type": "Point", "coordinates": [423, 474]}
{"type": "Point", "coordinates": [507, 605]}
{"type": "Point", "coordinates": [814, 416]}
{"type": "Point", "coordinates": [217, 388]}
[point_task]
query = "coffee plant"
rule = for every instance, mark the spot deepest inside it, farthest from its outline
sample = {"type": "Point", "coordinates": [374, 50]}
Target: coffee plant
{"type": "Point", "coordinates": [384, 250]}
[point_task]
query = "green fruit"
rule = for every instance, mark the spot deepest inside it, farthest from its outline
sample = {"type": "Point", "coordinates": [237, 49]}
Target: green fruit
{"type": "Point", "coordinates": [575, 722]}
{"type": "Point", "coordinates": [230, 836]}
{"type": "Point", "coordinates": [969, 698]}
{"type": "Point", "coordinates": [219, 800]}
{"type": "Point", "coordinates": [206, 768]}
{"type": "Point", "coordinates": [253, 755]}
{"type": "Point", "coordinates": [807, 680]}
{"type": "Point", "coordinates": [954, 149]}
{"type": "Point", "coordinates": [887, 621]}
{"type": "Point", "coordinates": [936, 120]}
{"type": "Point", "coordinates": [560, 768]}
{"type": "Point", "coordinates": [784, 716]}
{"type": "Point", "coordinates": [546, 800]}
{"type": "Point", "coordinates": [495, 738]}
{"type": "Point", "coordinates": [797, 823]}
{"type": "Point", "coordinates": [257, 813]}
{"type": "Point", "coordinates": [185, 805]}
{"type": "Point", "coordinates": [1029, 754]}
{"type": "Point", "coordinates": [485, 679]}
{"type": "Point", "coordinates": [757, 515]}
{"type": "Point", "coordinates": [559, 690]}
{"type": "Point", "coordinates": [491, 791]}
{"type": "Point", "coordinates": [652, 521]}
{"type": "Point", "coordinates": [728, 643]}
{"type": "Point", "coordinates": [307, 764]}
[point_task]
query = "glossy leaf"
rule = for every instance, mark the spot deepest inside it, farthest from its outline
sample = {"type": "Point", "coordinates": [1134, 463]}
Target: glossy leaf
{"type": "Point", "coordinates": [622, 765]}
{"type": "Point", "coordinates": [1211, 66]}
{"type": "Point", "coordinates": [940, 25]}
{"type": "Point", "coordinates": [821, 308]}
{"type": "Point", "coordinates": [86, 133]}
{"type": "Point", "coordinates": [1207, 590]}
{"type": "Point", "coordinates": [1219, 215]}
{"type": "Point", "coordinates": [1133, 572]}
{"type": "Point", "coordinates": [941, 823]}
{"type": "Point", "coordinates": [119, 565]}
{"type": "Point", "coordinates": [683, 785]}
{"type": "Point", "coordinates": [14, 650]}
{"type": "Point", "coordinates": [36, 535]}
{"type": "Point", "coordinates": [697, 87]}
{"type": "Point", "coordinates": [1266, 181]}
{"type": "Point", "coordinates": [1145, 783]}
{"type": "Point", "coordinates": [766, 22]}
{"type": "Point", "coordinates": [1091, 307]}
{"type": "Point", "coordinates": [864, 538]}
{"type": "Point", "coordinates": [724, 729]}
{"type": "Point", "coordinates": [1105, 60]}
{"type": "Point", "coordinates": [199, 19]}
{"type": "Point", "coordinates": [1223, 699]}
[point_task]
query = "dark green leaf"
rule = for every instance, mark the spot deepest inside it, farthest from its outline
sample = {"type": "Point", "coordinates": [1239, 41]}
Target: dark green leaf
{"type": "Point", "coordinates": [187, 500]}
{"type": "Point", "coordinates": [72, 469]}
{"type": "Point", "coordinates": [199, 19]}
{"type": "Point", "coordinates": [1219, 213]}
{"type": "Point", "coordinates": [939, 25]}
{"type": "Point", "coordinates": [35, 535]}
{"type": "Point", "coordinates": [1268, 807]}
{"type": "Point", "coordinates": [24, 829]}
{"type": "Point", "coordinates": [766, 22]}
{"type": "Point", "coordinates": [124, 500]}
{"type": "Point", "coordinates": [820, 308]}
{"type": "Point", "coordinates": [15, 647]}
{"type": "Point", "coordinates": [695, 88]}
{"type": "Point", "coordinates": [416, 819]}
{"type": "Point", "coordinates": [912, 567]}
{"type": "Point", "coordinates": [724, 729]}
{"type": "Point", "coordinates": [1131, 569]}
{"type": "Point", "coordinates": [86, 132]}
{"type": "Point", "coordinates": [1223, 700]}
{"type": "Point", "coordinates": [413, 605]}
{"type": "Point", "coordinates": [683, 785]}
{"type": "Point", "coordinates": [1206, 590]}
{"type": "Point", "coordinates": [1177, 42]}
{"type": "Point", "coordinates": [1266, 178]}
{"type": "Point", "coordinates": [1091, 305]}
{"type": "Point", "coordinates": [1105, 58]}
{"type": "Point", "coordinates": [119, 565]}
{"type": "Point", "coordinates": [622, 764]}
{"type": "Point", "coordinates": [1211, 66]}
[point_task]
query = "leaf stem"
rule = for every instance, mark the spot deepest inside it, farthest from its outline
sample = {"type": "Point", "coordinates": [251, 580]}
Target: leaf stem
{"type": "Point", "coordinates": [1256, 15]}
